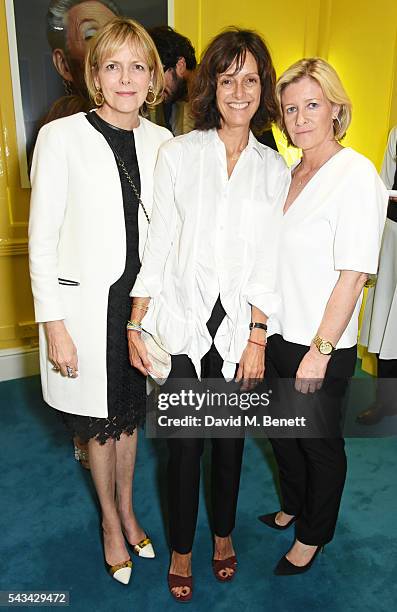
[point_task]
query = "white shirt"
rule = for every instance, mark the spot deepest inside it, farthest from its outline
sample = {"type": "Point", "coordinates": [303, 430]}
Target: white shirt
{"type": "Point", "coordinates": [335, 224]}
{"type": "Point", "coordinates": [389, 161]}
{"type": "Point", "coordinates": [209, 236]}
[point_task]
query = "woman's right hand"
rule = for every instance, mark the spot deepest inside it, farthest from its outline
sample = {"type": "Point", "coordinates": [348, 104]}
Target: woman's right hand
{"type": "Point", "coordinates": [138, 353]}
{"type": "Point", "coordinates": [61, 349]}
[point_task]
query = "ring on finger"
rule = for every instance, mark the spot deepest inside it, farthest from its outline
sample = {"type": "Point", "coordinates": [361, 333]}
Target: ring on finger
{"type": "Point", "coordinates": [70, 371]}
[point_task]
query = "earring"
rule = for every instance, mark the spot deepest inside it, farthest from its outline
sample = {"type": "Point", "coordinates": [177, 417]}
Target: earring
{"type": "Point", "coordinates": [99, 98]}
{"type": "Point", "coordinates": [67, 85]}
{"type": "Point", "coordinates": [151, 91]}
{"type": "Point", "coordinates": [337, 120]}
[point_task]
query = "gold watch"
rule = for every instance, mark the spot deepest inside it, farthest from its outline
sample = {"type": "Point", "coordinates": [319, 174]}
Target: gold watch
{"type": "Point", "coordinates": [325, 347]}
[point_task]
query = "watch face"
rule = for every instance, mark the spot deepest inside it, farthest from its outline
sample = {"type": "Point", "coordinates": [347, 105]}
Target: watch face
{"type": "Point", "coordinates": [326, 348]}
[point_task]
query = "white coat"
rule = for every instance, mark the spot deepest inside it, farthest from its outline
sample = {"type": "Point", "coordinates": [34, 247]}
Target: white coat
{"type": "Point", "coordinates": [77, 233]}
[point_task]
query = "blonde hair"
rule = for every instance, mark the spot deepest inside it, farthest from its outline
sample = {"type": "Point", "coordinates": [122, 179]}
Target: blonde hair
{"type": "Point", "coordinates": [329, 81]}
{"type": "Point", "coordinates": [109, 39]}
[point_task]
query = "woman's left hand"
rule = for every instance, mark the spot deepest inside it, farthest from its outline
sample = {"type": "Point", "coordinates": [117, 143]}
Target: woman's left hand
{"type": "Point", "coordinates": [251, 369]}
{"type": "Point", "coordinates": [311, 371]}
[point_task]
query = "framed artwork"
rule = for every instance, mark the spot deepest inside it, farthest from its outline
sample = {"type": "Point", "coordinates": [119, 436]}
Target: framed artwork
{"type": "Point", "coordinates": [47, 41]}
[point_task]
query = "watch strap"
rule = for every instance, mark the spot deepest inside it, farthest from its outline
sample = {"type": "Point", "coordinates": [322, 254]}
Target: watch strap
{"type": "Point", "coordinates": [255, 325]}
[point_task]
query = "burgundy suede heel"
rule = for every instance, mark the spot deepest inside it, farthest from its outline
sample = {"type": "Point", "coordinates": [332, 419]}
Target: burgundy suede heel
{"type": "Point", "coordinates": [175, 581]}
{"type": "Point", "coordinates": [220, 564]}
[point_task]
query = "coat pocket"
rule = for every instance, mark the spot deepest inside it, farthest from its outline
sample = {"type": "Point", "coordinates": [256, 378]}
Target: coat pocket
{"type": "Point", "coordinates": [68, 282]}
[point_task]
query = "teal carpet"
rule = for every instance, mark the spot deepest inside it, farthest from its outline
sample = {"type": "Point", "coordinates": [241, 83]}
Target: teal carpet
{"type": "Point", "coordinates": [50, 527]}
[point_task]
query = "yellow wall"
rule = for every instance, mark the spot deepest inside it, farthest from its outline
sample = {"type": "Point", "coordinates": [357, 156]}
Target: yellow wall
{"type": "Point", "coordinates": [16, 308]}
{"type": "Point", "coordinates": [358, 36]}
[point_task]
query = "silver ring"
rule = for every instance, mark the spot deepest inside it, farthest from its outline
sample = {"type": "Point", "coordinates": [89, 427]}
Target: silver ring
{"type": "Point", "coordinates": [70, 371]}
{"type": "Point", "coordinates": [55, 368]}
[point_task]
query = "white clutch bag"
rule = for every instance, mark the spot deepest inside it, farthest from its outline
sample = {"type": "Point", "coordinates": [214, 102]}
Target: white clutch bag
{"type": "Point", "coordinates": [158, 357]}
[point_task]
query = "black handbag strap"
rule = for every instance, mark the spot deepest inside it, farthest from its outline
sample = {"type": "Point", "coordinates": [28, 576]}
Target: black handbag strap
{"type": "Point", "coordinates": [121, 164]}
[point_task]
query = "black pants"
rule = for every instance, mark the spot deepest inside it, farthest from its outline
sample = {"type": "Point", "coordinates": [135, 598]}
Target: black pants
{"type": "Point", "coordinates": [312, 470]}
{"type": "Point", "coordinates": [184, 462]}
{"type": "Point", "coordinates": [386, 393]}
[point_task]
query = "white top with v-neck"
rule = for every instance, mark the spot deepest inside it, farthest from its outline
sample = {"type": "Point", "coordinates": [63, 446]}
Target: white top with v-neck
{"type": "Point", "coordinates": [334, 224]}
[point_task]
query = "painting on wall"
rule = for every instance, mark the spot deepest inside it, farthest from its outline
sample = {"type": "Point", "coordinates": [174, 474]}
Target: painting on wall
{"type": "Point", "coordinates": [47, 42]}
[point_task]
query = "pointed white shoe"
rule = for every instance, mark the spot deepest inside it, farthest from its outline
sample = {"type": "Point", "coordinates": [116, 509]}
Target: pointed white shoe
{"type": "Point", "coordinates": [144, 548]}
{"type": "Point", "coordinates": [121, 572]}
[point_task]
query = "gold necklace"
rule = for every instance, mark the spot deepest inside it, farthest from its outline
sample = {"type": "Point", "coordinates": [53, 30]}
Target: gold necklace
{"type": "Point", "coordinates": [236, 156]}
{"type": "Point", "coordinates": [306, 178]}
{"type": "Point", "coordinates": [311, 173]}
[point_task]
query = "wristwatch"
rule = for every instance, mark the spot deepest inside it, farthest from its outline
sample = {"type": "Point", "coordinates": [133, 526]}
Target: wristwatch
{"type": "Point", "coordinates": [258, 325]}
{"type": "Point", "coordinates": [325, 347]}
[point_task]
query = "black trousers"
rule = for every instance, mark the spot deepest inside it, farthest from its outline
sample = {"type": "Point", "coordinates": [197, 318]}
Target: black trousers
{"type": "Point", "coordinates": [386, 393]}
{"type": "Point", "coordinates": [185, 458]}
{"type": "Point", "coordinates": [313, 470]}
{"type": "Point", "coordinates": [387, 368]}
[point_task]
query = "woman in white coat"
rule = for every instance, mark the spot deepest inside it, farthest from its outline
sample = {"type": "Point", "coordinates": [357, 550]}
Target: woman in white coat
{"type": "Point", "coordinates": [379, 328]}
{"type": "Point", "coordinates": [92, 179]}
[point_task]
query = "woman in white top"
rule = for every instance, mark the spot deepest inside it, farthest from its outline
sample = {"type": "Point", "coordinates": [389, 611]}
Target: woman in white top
{"type": "Point", "coordinates": [87, 232]}
{"type": "Point", "coordinates": [209, 270]}
{"type": "Point", "coordinates": [332, 227]}
{"type": "Point", "coordinates": [379, 328]}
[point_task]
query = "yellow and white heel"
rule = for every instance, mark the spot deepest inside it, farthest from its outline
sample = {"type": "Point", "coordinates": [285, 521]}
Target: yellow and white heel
{"type": "Point", "coordinates": [121, 572]}
{"type": "Point", "coordinates": [144, 548]}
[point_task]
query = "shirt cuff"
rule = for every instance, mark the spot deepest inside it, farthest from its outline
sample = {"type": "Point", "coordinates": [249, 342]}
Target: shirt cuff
{"type": "Point", "coordinates": [48, 311]}
{"type": "Point", "coordinates": [267, 302]}
{"type": "Point", "coordinates": [145, 289]}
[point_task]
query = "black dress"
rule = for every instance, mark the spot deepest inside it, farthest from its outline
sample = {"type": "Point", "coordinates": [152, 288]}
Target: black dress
{"type": "Point", "coordinates": [126, 386]}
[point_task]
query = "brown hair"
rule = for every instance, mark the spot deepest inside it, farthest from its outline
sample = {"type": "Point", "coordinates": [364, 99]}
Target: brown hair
{"type": "Point", "coordinates": [228, 47]}
{"type": "Point", "coordinates": [112, 36]}
{"type": "Point", "coordinates": [329, 81]}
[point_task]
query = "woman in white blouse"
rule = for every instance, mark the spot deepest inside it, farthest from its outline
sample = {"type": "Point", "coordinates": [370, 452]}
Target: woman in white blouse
{"type": "Point", "coordinates": [208, 270]}
{"type": "Point", "coordinates": [332, 226]}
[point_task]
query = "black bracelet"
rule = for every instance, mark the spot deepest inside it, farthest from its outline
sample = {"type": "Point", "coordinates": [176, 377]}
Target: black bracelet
{"type": "Point", "coordinates": [258, 325]}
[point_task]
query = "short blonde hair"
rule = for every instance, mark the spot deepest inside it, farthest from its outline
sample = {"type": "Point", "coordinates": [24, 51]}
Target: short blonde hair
{"type": "Point", "coordinates": [329, 81]}
{"type": "Point", "coordinates": [109, 39]}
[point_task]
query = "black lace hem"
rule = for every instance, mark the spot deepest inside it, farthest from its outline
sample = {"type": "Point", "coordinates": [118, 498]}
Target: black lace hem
{"type": "Point", "coordinates": [103, 430]}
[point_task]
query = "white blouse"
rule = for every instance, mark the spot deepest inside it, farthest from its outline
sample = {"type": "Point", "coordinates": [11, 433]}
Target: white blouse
{"type": "Point", "coordinates": [335, 224]}
{"type": "Point", "coordinates": [211, 235]}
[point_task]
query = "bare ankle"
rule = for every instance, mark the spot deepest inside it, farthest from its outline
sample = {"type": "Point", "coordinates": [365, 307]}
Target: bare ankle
{"type": "Point", "coordinates": [182, 557]}
{"type": "Point", "coordinates": [223, 547]}
{"type": "Point", "coordinates": [222, 540]}
{"type": "Point", "coordinates": [110, 526]}
{"type": "Point", "coordinates": [124, 508]}
{"type": "Point", "coordinates": [181, 563]}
